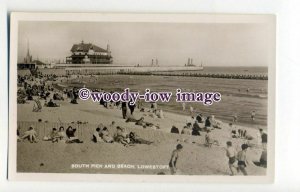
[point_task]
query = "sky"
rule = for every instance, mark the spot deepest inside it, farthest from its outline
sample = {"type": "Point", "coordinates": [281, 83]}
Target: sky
{"type": "Point", "coordinates": [212, 44]}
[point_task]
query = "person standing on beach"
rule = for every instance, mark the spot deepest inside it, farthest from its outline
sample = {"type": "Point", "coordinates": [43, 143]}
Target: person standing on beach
{"type": "Point", "coordinates": [131, 107]}
{"type": "Point", "coordinates": [139, 104]}
{"type": "Point", "coordinates": [183, 106]}
{"type": "Point", "coordinates": [124, 110]}
{"type": "Point", "coordinates": [191, 110]}
{"type": "Point", "coordinates": [264, 138]}
{"type": "Point", "coordinates": [174, 159]}
{"type": "Point", "coordinates": [253, 115]}
{"type": "Point", "coordinates": [242, 159]}
{"type": "Point", "coordinates": [231, 154]}
{"type": "Point", "coordinates": [154, 107]}
{"type": "Point", "coordinates": [234, 120]}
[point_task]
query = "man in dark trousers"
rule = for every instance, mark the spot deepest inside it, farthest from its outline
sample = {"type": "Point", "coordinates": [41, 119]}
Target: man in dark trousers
{"type": "Point", "coordinates": [124, 110]}
{"type": "Point", "coordinates": [131, 107]}
{"type": "Point", "coordinates": [264, 138]}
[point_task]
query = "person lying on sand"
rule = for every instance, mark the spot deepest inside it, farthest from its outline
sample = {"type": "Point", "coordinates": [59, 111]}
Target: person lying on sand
{"type": "Point", "coordinates": [130, 118]}
{"type": "Point", "coordinates": [106, 135]}
{"type": "Point", "coordinates": [140, 121]}
{"type": "Point", "coordinates": [121, 136]}
{"type": "Point", "coordinates": [31, 135]}
{"type": "Point", "coordinates": [70, 132]}
{"type": "Point", "coordinates": [174, 159]}
{"type": "Point", "coordinates": [135, 139]}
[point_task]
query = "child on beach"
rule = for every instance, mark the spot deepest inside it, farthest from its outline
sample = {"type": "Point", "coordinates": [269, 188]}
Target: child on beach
{"type": "Point", "coordinates": [242, 159]}
{"type": "Point", "coordinates": [231, 154]}
{"type": "Point", "coordinates": [209, 141]}
{"type": "Point", "coordinates": [174, 159]}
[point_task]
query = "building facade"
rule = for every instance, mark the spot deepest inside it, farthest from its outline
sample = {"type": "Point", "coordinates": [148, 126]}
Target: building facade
{"type": "Point", "coordinates": [87, 53]}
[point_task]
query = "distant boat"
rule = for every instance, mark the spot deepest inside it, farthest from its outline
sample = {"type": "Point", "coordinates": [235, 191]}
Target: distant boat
{"type": "Point", "coordinates": [190, 64]}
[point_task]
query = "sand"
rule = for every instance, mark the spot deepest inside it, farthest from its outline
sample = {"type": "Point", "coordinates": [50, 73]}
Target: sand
{"type": "Point", "coordinates": [195, 159]}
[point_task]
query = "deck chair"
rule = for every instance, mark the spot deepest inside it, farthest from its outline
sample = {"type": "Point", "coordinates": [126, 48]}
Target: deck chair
{"type": "Point", "coordinates": [37, 107]}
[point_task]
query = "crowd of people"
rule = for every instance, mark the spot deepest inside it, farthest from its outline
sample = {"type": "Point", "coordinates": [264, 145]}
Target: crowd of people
{"type": "Point", "coordinates": [238, 161]}
{"type": "Point", "coordinates": [40, 89]}
{"type": "Point", "coordinates": [101, 135]}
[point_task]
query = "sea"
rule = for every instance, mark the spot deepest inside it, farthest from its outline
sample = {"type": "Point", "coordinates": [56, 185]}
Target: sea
{"type": "Point", "coordinates": [239, 97]}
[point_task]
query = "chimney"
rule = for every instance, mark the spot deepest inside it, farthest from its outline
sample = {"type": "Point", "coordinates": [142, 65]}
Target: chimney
{"type": "Point", "coordinates": [108, 50]}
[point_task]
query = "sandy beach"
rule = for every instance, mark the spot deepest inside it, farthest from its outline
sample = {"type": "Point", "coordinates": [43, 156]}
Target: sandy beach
{"type": "Point", "coordinates": [195, 159]}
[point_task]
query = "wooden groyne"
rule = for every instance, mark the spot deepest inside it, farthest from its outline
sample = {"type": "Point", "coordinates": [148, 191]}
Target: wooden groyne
{"type": "Point", "coordinates": [205, 75]}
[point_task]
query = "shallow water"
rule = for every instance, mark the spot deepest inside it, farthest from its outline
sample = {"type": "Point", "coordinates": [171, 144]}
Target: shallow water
{"type": "Point", "coordinates": [236, 100]}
